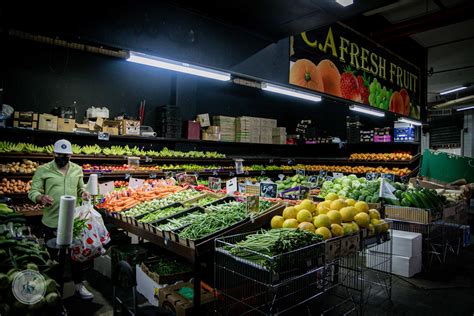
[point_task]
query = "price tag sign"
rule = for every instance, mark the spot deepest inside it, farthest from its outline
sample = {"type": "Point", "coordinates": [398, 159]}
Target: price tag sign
{"type": "Point", "coordinates": [262, 172]}
{"type": "Point", "coordinates": [242, 188]}
{"type": "Point", "coordinates": [328, 178]}
{"type": "Point", "coordinates": [406, 179]}
{"type": "Point", "coordinates": [388, 176]}
{"type": "Point", "coordinates": [168, 174]}
{"type": "Point", "coordinates": [239, 167]}
{"type": "Point", "coordinates": [281, 177]}
{"type": "Point", "coordinates": [152, 175]}
{"type": "Point", "coordinates": [300, 172]}
{"type": "Point", "coordinates": [304, 192]}
{"type": "Point", "coordinates": [148, 159]}
{"type": "Point", "coordinates": [252, 189]}
{"type": "Point", "coordinates": [231, 174]}
{"type": "Point", "coordinates": [215, 183]}
{"type": "Point", "coordinates": [134, 183]}
{"type": "Point", "coordinates": [215, 173]}
{"type": "Point", "coordinates": [180, 177]}
{"type": "Point", "coordinates": [322, 173]}
{"type": "Point", "coordinates": [336, 175]}
{"type": "Point", "coordinates": [127, 175]}
{"type": "Point", "coordinates": [106, 187]}
{"type": "Point", "coordinates": [291, 162]}
{"type": "Point", "coordinates": [313, 179]}
{"type": "Point", "coordinates": [372, 176]}
{"type": "Point", "coordinates": [270, 160]}
{"type": "Point", "coordinates": [231, 186]}
{"type": "Point", "coordinates": [253, 203]}
{"type": "Point", "coordinates": [246, 172]}
{"type": "Point", "coordinates": [268, 190]}
{"type": "Point", "coordinates": [196, 174]}
{"type": "Point", "coordinates": [103, 136]}
{"type": "Point", "coordinates": [187, 179]}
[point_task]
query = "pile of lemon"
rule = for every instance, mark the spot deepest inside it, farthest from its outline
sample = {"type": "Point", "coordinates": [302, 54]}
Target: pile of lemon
{"type": "Point", "coordinates": [333, 217]}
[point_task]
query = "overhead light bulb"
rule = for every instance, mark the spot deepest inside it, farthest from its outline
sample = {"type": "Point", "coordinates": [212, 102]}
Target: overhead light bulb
{"type": "Point", "coordinates": [413, 122]}
{"type": "Point", "coordinates": [345, 3]}
{"type": "Point", "coordinates": [159, 62]}
{"type": "Point", "coordinates": [453, 90]}
{"type": "Point", "coordinates": [290, 92]}
{"type": "Point", "coordinates": [366, 110]}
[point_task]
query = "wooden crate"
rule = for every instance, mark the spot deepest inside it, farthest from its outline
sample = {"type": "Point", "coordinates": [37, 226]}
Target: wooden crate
{"type": "Point", "coordinates": [166, 279]}
{"type": "Point", "coordinates": [170, 299]}
{"type": "Point", "coordinates": [411, 214]}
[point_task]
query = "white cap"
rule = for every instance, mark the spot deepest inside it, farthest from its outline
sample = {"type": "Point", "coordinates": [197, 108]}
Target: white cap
{"type": "Point", "coordinates": [63, 146]}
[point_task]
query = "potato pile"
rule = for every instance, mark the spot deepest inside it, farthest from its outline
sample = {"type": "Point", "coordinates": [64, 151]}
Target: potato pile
{"type": "Point", "coordinates": [27, 166]}
{"type": "Point", "coordinates": [9, 186]}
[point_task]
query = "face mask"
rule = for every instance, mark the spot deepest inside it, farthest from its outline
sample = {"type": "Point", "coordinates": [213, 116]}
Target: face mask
{"type": "Point", "coordinates": [61, 161]}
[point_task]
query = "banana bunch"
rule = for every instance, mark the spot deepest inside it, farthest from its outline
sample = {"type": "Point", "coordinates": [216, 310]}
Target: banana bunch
{"type": "Point", "coordinates": [117, 151]}
{"type": "Point", "coordinates": [92, 150]}
{"type": "Point", "coordinates": [49, 149]}
{"type": "Point", "coordinates": [76, 149]}
{"type": "Point", "coordinates": [138, 152]}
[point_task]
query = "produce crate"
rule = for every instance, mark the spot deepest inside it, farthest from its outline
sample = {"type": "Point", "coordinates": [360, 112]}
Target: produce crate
{"type": "Point", "coordinates": [176, 204]}
{"type": "Point", "coordinates": [456, 213]}
{"type": "Point", "coordinates": [285, 266]}
{"type": "Point", "coordinates": [165, 279]}
{"type": "Point", "coordinates": [411, 214]}
{"type": "Point", "coordinates": [170, 234]}
{"type": "Point", "coordinates": [202, 196]}
{"type": "Point", "coordinates": [377, 206]}
{"type": "Point", "coordinates": [133, 254]}
{"type": "Point", "coordinates": [170, 299]}
{"type": "Point", "coordinates": [341, 246]}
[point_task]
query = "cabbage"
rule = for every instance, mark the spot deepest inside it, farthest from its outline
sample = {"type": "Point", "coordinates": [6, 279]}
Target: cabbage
{"type": "Point", "coordinates": [337, 187]}
{"type": "Point", "coordinates": [355, 184]}
{"type": "Point", "coordinates": [352, 177]}
{"type": "Point", "coordinates": [338, 180]}
{"type": "Point", "coordinates": [346, 182]}
{"type": "Point", "coordinates": [327, 184]}
{"type": "Point", "coordinates": [342, 193]}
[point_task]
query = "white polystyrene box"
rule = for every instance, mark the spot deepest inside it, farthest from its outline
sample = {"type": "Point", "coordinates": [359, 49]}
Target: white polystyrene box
{"type": "Point", "coordinates": [406, 266]}
{"type": "Point", "coordinates": [406, 244]}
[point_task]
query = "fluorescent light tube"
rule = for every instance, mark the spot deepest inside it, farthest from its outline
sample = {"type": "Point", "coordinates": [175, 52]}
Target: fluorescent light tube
{"type": "Point", "coordinates": [290, 92]}
{"type": "Point", "coordinates": [366, 110]}
{"type": "Point", "coordinates": [413, 122]}
{"type": "Point", "coordinates": [154, 61]}
{"type": "Point", "coordinates": [469, 107]}
{"type": "Point", "coordinates": [452, 90]}
{"type": "Point", "coordinates": [345, 3]}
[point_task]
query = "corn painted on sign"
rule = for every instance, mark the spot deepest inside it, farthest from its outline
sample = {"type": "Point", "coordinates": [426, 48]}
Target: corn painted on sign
{"type": "Point", "coordinates": [338, 61]}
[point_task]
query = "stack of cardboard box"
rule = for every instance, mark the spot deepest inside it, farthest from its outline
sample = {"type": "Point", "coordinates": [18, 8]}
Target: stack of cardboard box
{"type": "Point", "coordinates": [227, 127]}
{"type": "Point", "coordinates": [279, 135]}
{"type": "Point", "coordinates": [247, 129]}
{"type": "Point", "coordinates": [266, 130]}
{"type": "Point", "coordinates": [25, 120]}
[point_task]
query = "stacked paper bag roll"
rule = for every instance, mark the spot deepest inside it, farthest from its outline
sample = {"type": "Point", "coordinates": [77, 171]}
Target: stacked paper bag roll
{"type": "Point", "coordinates": [92, 185]}
{"type": "Point", "coordinates": [66, 219]}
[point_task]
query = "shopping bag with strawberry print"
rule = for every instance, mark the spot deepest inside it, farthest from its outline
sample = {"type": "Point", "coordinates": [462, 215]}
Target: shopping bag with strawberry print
{"type": "Point", "coordinates": [93, 237]}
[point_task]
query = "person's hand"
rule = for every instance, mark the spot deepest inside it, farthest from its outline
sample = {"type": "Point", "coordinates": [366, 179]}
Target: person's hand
{"type": "Point", "coordinates": [86, 195]}
{"type": "Point", "coordinates": [45, 199]}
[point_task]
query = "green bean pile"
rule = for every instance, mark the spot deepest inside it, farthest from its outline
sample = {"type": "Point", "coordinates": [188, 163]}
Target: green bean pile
{"type": "Point", "coordinates": [160, 214]}
{"type": "Point", "coordinates": [218, 217]}
{"type": "Point", "coordinates": [175, 223]}
{"type": "Point", "coordinates": [272, 243]}
{"type": "Point", "coordinates": [203, 201]}
{"type": "Point", "coordinates": [170, 267]}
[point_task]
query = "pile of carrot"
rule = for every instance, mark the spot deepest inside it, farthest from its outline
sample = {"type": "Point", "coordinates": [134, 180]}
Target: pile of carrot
{"type": "Point", "coordinates": [118, 201]}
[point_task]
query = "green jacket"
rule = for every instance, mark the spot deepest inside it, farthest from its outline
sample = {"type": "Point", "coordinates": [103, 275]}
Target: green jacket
{"type": "Point", "coordinates": [50, 181]}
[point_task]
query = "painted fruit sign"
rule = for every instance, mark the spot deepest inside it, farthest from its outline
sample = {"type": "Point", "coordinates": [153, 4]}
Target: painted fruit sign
{"type": "Point", "coordinates": [338, 61]}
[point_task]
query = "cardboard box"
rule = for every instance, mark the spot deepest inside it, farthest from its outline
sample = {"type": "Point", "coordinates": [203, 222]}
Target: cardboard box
{"type": "Point", "coordinates": [170, 299]}
{"type": "Point", "coordinates": [25, 116]}
{"type": "Point", "coordinates": [130, 127]}
{"type": "Point", "coordinates": [66, 125]}
{"type": "Point", "coordinates": [25, 124]}
{"type": "Point", "coordinates": [406, 266]}
{"type": "Point", "coordinates": [147, 287]}
{"type": "Point", "coordinates": [404, 244]}
{"type": "Point", "coordinates": [211, 136]}
{"type": "Point", "coordinates": [48, 122]}
{"type": "Point", "coordinates": [403, 266]}
{"type": "Point", "coordinates": [111, 127]}
{"type": "Point", "coordinates": [204, 120]}
{"type": "Point", "coordinates": [193, 130]}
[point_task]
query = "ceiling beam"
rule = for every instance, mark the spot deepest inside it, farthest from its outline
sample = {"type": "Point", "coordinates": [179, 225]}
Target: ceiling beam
{"type": "Point", "coordinates": [427, 22]}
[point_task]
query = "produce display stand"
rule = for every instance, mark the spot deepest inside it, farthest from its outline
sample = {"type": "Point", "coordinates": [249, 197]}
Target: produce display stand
{"type": "Point", "coordinates": [314, 273]}
{"type": "Point", "coordinates": [199, 251]}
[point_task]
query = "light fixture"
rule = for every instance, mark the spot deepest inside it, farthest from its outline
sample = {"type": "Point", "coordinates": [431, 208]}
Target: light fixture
{"type": "Point", "coordinates": [290, 92]}
{"type": "Point", "coordinates": [345, 3]}
{"type": "Point", "coordinates": [159, 62]}
{"type": "Point", "coordinates": [366, 110]}
{"type": "Point", "coordinates": [453, 90]}
{"type": "Point", "coordinates": [469, 107]}
{"type": "Point", "coordinates": [412, 122]}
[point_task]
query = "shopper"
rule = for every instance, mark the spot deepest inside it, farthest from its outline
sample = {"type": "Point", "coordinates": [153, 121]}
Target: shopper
{"type": "Point", "coordinates": [51, 181]}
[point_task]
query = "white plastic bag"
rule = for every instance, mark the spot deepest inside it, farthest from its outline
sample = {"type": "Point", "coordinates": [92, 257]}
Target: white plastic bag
{"type": "Point", "coordinates": [93, 237]}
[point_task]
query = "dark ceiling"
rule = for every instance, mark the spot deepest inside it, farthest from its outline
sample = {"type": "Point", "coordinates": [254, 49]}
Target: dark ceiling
{"type": "Point", "coordinates": [276, 19]}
